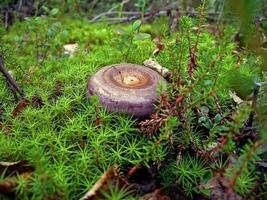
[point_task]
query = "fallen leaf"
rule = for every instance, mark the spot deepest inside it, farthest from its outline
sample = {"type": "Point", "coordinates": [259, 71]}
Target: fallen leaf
{"type": "Point", "coordinates": [236, 98]}
{"type": "Point", "coordinates": [15, 167]}
{"type": "Point", "coordinates": [159, 45]}
{"type": "Point", "coordinates": [22, 104]}
{"type": "Point", "coordinates": [220, 188]}
{"type": "Point", "coordinates": [70, 49]}
{"type": "Point", "coordinates": [152, 64]}
{"type": "Point", "coordinates": [11, 164]}
{"type": "Point", "coordinates": [109, 177]}
{"type": "Point", "coordinates": [179, 99]}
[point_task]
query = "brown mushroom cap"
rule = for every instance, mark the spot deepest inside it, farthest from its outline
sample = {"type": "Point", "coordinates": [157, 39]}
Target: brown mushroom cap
{"type": "Point", "coordinates": [127, 88]}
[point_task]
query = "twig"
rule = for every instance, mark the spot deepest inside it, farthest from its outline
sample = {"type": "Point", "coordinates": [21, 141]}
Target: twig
{"type": "Point", "coordinates": [254, 102]}
{"type": "Point", "coordinates": [135, 17]}
{"type": "Point", "coordinates": [11, 82]}
{"type": "Point", "coordinates": [37, 49]}
{"type": "Point", "coordinates": [174, 21]}
{"type": "Point", "coordinates": [6, 19]}
{"type": "Point", "coordinates": [113, 13]}
{"type": "Point", "coordinates": [20, 3]}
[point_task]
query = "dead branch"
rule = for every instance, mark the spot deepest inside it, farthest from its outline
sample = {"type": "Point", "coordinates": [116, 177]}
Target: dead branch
{"type": "Point", "coordinates": [131, 16]}
{"type": "Point", "coordinates": [110, 13]}
{"type": "Point", "coordinates": [15, 88]}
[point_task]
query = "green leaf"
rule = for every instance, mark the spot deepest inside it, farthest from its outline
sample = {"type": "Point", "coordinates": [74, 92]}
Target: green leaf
{"type": "Point", "coordinates": [207, 176]}
{"type": "Point", "coordinates": [142, 36]}
{"type": "Point", "coordinates": [65, 33]}
{"type": "Point", "coordinates": [27, 19]}
{"type": "Point", "coordinates": [204, 110]}
{"type": "Point", "coordinates": [46, 9]}
{"type": "Point", "coordinates": [50, 32]}
{"type": "Point", "coordinates": [56, 25]}
{"type": "Point", "coordinates": [54, 12]}
{"type": "Point", "coordinates": [37, 19]}
{"type": "Point", "coordinates": [120, 31]}
{"type": "Point", "coordinates": [207, 82]}
{"type": "Point", "coordinates": [217, 118]}
{"type": "Point", "coordinates": [204, 121]}
{"type": "Point", "coordinates": [136, 25]}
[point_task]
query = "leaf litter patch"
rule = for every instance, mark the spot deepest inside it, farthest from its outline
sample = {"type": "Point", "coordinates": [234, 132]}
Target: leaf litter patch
{"type": "Point", "coordinates": [12, 172]}
{"type": "Point", "coordinates": [140, 180]}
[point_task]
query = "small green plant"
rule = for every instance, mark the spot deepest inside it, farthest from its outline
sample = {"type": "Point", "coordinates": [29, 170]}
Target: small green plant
{"type": "Point", "coordinates": [43, 39]}
{"type": "Point", "coordinates": [141, 5]}
{"type": "Point", "coordinates": [187, 172]}
{"type": "Point", "coordinates": [245, 183]}
{"type": "Point", "coordinates": [240, 175]}
{"type": "Point", "coordinates": [128, 38]}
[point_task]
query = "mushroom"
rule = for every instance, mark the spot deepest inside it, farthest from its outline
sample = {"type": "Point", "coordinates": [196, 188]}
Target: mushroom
{"type": "Point", "coordinates": [126, 88]}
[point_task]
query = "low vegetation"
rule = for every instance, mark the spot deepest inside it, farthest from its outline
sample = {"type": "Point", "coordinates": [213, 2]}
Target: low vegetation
{"type": "Point", "coordinates": [199, 142]}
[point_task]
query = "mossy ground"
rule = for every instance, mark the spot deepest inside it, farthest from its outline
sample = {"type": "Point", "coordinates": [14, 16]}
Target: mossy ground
{"type": "Point", "coordinates": [61, 139]}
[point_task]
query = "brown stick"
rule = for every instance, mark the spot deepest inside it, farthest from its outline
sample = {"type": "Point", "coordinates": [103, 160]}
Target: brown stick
{"type": "Point", "coordinates": [11, 82]}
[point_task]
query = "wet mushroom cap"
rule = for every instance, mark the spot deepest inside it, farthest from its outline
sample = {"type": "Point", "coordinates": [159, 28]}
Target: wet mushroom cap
{"type": "Point", "coordinates": [126, 88]}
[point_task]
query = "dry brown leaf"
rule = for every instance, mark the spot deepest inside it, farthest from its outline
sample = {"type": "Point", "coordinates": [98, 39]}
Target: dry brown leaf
{"type": "Point", "coordinates": [22, 104]}
{"type": "Point", "coordinates": [13, 171]}
{"type": "Point", "coordinates": [109, 177]}
{"type": "Point", "coordinates": [220, 188]}
{"type": "Point", "coordinates": [20, 166]}
{"type": "Point", "coordinates": [159, 45]}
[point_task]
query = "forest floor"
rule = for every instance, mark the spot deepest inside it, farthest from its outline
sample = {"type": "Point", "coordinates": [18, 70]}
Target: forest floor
{"type": "Point", "coordinates": [55, 143]}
